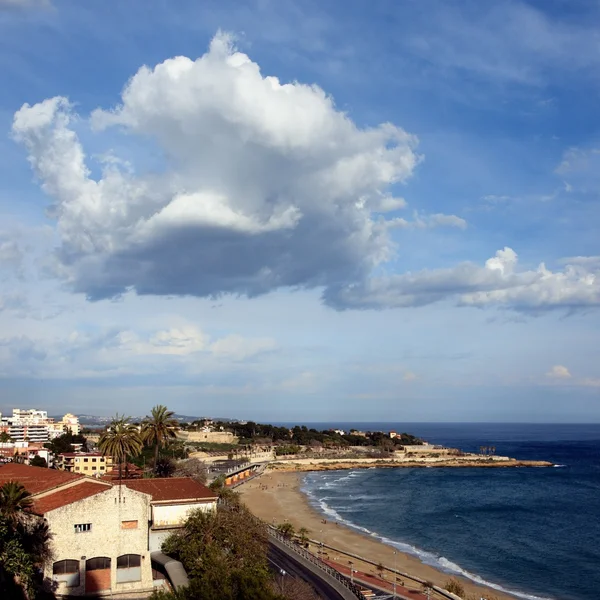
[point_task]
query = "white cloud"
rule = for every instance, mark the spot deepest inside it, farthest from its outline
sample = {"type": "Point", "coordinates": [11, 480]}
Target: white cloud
{"type": "Point", "coordinates": [421, 221]}
{"type": "Point", "coordinates": [238, 348]}
{"type": "Point", "coordinates": [559, 372]}
{"type": "Point", "coordinates": [267, 184]}
{"type": "Point", "coordinates": [497, 283]}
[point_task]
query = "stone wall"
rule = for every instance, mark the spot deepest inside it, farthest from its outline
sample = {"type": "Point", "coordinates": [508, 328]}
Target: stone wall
{"type": "Point", "coordinates": [215, 437]}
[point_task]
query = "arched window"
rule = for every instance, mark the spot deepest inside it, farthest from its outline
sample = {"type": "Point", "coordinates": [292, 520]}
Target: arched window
{"type": "Point", "coordinates": [96, 564]}
{"type": "Point", "coordinates": [67, 572]}
{"type": "Point", "coordinates": [129, 568]}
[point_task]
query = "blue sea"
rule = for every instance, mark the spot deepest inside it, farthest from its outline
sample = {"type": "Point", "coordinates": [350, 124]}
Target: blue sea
{"type": "Point", "coordinates": [534, 532]}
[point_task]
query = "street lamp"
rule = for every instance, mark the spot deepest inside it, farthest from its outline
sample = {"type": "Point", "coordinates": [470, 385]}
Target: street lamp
{"type": "Point", "coordinates": [395, 573]}
{"type": "Point", "coordinates": [351, 572]}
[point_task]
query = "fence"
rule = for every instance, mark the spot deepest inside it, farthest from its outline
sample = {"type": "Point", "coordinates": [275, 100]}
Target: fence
{"type": "Point", "coordinates": [310, 557]}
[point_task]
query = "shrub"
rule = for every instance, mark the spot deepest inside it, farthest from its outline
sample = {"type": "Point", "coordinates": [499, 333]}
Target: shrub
{"type": "Point", "coordinates": [454, 586]}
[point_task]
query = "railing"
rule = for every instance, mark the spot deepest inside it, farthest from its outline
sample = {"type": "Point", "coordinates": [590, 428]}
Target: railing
{"type": "Point", "coordinates": [309, 556]}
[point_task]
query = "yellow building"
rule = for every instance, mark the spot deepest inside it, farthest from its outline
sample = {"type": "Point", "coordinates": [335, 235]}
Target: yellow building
{"type": "Point", "coordinates": [86, 463]}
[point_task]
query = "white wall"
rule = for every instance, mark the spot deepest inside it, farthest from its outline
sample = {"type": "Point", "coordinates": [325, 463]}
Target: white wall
{"type": "Point", "coordinates": [105, 511]}
{"type": "Point", "coordinates": [172, 515]}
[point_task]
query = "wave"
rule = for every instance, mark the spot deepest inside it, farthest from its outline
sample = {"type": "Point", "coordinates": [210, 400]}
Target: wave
{"type": "Point", "coordinates": [429, 558]}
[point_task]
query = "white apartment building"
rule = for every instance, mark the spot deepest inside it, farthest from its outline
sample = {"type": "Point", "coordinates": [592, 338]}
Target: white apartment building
{"type": "Point", "coordinates": [36, 426]}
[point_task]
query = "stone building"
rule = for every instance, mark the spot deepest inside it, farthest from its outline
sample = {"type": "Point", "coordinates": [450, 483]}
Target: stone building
{"type": "Point", "coordinates": [107, 535]}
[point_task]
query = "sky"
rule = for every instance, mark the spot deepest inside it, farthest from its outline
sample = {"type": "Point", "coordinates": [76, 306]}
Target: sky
{"type": "Point", "coordinates": [284, 211]}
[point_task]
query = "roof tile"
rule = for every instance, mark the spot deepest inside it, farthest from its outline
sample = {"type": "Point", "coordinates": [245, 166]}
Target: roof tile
{"type": "Point", "coordinates": [61, 498]}
{"type": "Point", "coordinates": [35, 479]}
{"type": "Point", "coordinates": [172, 488]}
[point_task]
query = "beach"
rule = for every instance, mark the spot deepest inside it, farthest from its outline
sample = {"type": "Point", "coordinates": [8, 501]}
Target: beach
{"type": "Point", "coordinates": [276, 498]}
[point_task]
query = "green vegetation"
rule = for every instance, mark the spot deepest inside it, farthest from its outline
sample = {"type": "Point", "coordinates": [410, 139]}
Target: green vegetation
{"type": "Point", "coordinates": [24, 544]}
{"type": "Point", "coordinates": [225, 555]}
{"type": "Point", "coordinates": [300, 435]}
{"type": "Point", "coordinates": [5, 438]}
{"type": "Point", "coordinates": [286, 530]}
{"type": "Point", "coordinates": [158, 429]}
{"type": "Point", "coordinates": [64, 443]}
{"type": "Point", "coordinates": [120, 440]}
{"type": "Point", "coordinates": [38, 461]}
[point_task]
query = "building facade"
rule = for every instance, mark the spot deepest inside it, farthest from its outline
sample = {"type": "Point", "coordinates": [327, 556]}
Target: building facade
{"type": "Point", "coordinates": [93, 464]}
{"type": "Point", "coordinates": [105, 534]}
{"type": "Point", "coordinates": [36, 426]}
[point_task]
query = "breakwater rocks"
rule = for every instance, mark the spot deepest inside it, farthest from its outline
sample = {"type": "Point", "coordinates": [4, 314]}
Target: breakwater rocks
{"type": "Point", "coordinates": [469, 461]}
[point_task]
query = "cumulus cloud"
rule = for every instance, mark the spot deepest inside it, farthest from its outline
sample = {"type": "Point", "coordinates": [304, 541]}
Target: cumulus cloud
{"type": "Point", "coordinates": [267, 184]}
{"type": "Point", "coordinates": [559, 372]}
{"type": "Point", "coordinates": [498, 283]}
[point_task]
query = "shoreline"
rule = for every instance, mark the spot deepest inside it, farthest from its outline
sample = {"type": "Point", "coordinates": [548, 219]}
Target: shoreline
{"type": "Point", "coordinates": [276, 497]}
{"type": "Point", "coordinates": [469, 462]}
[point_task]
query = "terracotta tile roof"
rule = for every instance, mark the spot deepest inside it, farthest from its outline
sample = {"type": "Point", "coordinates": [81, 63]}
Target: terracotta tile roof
{"type": "Point", "coordinates": [35, 479]}
{"type": "Point", "coordinates": [68, 495]}
{"type": "Point", "coordinates": [171, 489]}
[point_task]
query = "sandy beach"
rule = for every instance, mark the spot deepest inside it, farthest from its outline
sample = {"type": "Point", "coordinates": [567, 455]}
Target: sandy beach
{"type": "Point", "coordinates": [276, 497]}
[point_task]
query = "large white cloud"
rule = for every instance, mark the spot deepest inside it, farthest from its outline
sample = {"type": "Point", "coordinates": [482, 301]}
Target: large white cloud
{"type": "Point", "coordinates": [497, 283]}
{"type": "Point", "coordinates": [266, 184]}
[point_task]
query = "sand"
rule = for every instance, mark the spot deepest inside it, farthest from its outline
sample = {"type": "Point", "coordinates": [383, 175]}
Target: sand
{"type": "Point", "coordinates": [276, 498]}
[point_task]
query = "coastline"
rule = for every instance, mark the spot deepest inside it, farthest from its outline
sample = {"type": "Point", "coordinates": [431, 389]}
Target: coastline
{"type": "Point", "coordinates": [276, 498]}
{"type": "Point", "coordinates": [464, 462]}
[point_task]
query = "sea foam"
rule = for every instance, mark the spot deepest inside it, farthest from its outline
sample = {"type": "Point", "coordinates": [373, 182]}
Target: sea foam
{"type": "Point", "coordinates": [438, 562]}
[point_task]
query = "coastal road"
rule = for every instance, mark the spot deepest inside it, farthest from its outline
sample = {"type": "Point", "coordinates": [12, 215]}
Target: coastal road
{"type": "Point", "coordinates": [281, 558]}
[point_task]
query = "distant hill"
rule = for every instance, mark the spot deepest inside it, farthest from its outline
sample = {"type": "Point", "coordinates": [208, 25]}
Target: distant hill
{"type": "Point", "coordinates": [95, 421]}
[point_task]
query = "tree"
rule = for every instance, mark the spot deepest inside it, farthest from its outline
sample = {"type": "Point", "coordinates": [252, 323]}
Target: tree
{"type": "Point", "coordinates": [159, 428]}
{"type": "Point", "coordinates": [165, 467]}
{"type": "Point", "coordinates": [38, 461]}
{"type": "Point", "coordinates": [225, 555]}
{"type": "Point", "coordinates": [5, 438]}
{"type": "Point", "coordinates": [120, 440]}
{"type": "Point", "coordinates": [14, 500]}
{"type": "Point", "coordinates": [286, 530]}
{"type": "Point", "coordinates": [303, 536]}
{"type": "Point", "coordinates": [23, 542]}
{"type": "Point", "coordinates": [194, 468]}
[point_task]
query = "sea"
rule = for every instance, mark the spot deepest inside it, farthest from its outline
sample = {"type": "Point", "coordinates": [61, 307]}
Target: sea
{"type": "Point", "coordinates": [532, 532]}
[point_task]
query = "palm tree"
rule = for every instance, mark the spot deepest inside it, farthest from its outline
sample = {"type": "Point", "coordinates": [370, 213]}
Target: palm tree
{"type": "Point", "coordinates": [159, 428]}
{"type": "Point", "coordinates": [120, 440]}
{"type": "Point", "coordinates": [24, 542]}
{"type": "Point", "coordinates": [14, 500]}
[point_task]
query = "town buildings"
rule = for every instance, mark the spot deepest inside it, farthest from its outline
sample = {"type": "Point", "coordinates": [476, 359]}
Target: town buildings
{"type": "Point", "coordinates": [94, 464]}
{"type": "Point", "coordinates": [106, 535]}
{"type": "Point", "coordinates": [36, 426]}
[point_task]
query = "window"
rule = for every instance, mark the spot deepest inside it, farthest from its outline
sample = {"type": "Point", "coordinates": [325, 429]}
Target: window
{"type": "Point", "coordinates": [97, 564]}
{"type": "Point", "coordinates": [63, 567]}
{"type": "Point", "coordinates": [93, 460]}
{"type": "Point", "coordinates": [67, 572]}
{"type": "Point", "coordinates": [85, 468]}
{"type": "Point", "coordinates": [82, 527]}
{"type": "Point", "coordinates": [129, 525]}
{"type": "Point", "coordinates": [129, 568]}
{"type": "Point", "coordinates": [85, 460]}
{"type": "Point", "coordinates": [126, 561]}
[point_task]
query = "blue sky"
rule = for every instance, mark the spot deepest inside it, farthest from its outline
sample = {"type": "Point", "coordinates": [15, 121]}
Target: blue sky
{"type": "Point", "coordinates": [301, 211]}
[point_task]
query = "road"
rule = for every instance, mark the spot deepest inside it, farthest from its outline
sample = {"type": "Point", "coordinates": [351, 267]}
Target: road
{"type": "Point", "coordinates": [279, 560]}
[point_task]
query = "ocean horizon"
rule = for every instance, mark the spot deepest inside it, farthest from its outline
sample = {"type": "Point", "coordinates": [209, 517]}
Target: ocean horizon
{"type": "Point", "coordinates": [531, 532]}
